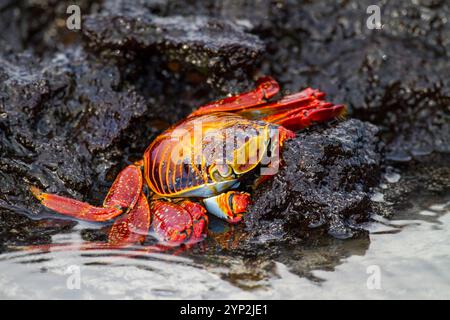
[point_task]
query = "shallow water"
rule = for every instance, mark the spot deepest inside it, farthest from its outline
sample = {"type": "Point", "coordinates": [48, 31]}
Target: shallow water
{"type": "Point", "coordinates": [396, 77]}
{"type": "Point", "coordinates": [406, 257]}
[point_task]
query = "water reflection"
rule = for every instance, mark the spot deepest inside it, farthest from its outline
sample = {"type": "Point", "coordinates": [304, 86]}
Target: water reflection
{"type": "Point", "coordinates": [411, 251]}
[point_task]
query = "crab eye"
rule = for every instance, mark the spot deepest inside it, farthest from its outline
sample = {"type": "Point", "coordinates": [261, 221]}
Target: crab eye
{"type": "Point", "coordinates": [224, 170]}
{"type": "Point", "coordinates": [220, 171]}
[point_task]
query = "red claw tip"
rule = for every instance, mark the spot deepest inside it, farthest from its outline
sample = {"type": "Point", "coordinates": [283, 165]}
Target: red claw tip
{"type": "Point", "coordinates": [240, 202]}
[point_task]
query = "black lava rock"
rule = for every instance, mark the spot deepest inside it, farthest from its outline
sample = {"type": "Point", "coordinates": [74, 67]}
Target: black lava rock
{"type": "Point", "coordinates": [323, 185]}
{"type": "Point", "coordinates": [205, 43]}
{"type": "Point", "coordinates": [19, 230]}
{"type": "Point", "coordinates": [397, 77]}
{"type": "Point", "coordinates": [215, 47]}
{"type": "Point", "coordinates": [39, 26]}
{"type": "Point", "coordinates": [57, 116]}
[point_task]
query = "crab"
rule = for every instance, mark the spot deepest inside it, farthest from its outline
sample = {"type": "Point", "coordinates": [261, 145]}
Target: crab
{"type": "Point", "coordinates": [195, 166]}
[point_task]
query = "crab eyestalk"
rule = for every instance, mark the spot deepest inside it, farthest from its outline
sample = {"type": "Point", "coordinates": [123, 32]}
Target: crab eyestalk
{"type": "Point", "coordinates": [229, 206]}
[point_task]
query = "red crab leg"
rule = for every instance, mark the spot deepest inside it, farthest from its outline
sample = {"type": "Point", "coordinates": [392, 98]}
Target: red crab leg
{"type": "Point", "coordinates": [301, 110]}
{"type": "Point", "coordinates": [294, 111]}
{"type": "Point", "coordinates": [229, 206]}
{"type": "Point", "coordinates": [199, 219]}
{"type": "Point", "coordinates": [123, 194]}
{"type": "Point", "coordinates": [171, 222]}
{"type": "Point", "coordinates": [177, 223]}
{"type": "Point", "coordinates": [266, 89]}
{"type": "Point", "coordinates": [133, 227]}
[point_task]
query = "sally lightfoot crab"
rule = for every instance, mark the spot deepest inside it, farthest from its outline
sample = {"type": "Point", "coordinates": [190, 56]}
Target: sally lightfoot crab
{"type": "Point", "coordinates": [195, 166]}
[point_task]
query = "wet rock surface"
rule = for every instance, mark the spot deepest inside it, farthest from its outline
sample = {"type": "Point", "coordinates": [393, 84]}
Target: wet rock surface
{"type": "Point", "coordinates": [212, 46]}
{"type": "Point", "coordinates": [402, 184]}
{"type": "Point", "coordinates": [77, 106]}
{"type": "Point", "coordinates": [396, 77]}
{"type": "Point", "coordinates": [57, 116]}
{"type": "Point", "coordinates": [324, 184]}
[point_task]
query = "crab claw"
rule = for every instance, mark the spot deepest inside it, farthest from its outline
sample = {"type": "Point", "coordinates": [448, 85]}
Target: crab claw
{"type": "Point", "coordinates": [229, 206]}
{"type": "Point", "coordinates": [133, 227]}
{"type": "Point", "coordinates": [199, 219]}
{"type": "Point", "coordinates": [176, 223]}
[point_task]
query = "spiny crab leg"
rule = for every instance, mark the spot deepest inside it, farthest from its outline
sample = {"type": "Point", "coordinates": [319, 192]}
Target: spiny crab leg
{"type": "Point", "coordinates": [75, 208]}
{"type": "Point", "coordinates": [266, 89]}
{"type": "Point", "coordinates": [199, 219]}
{"type": "Point", "coordinates": [176, 223]}
{"type": "Point", "coordinates": [133, 227]}
{"type": "Point", "coordinates": [125, 195]}
{"type": "Point", "coordinates": [295, 111]}
{"type": "Point", "coordinates": [303, 116]}
{"type": "Point", "coordinates": [303, 99]}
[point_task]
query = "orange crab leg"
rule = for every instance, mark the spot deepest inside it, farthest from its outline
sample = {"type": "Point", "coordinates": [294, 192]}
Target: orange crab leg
{"type": "Point", "coordinates": [123, 195]}
{"type": "Point", "coordinates": [179, 222]}
{"type": "Point", "coordinates": [199, 219]}
{"type": "Point", "coordinates": [74, 208]}
{"type": "Point", "coordinates": [295, 111]}
{"type": "Point", "coordinates": [303, 99]}
{"type": "Point", "coordinates": [229, 205]}
{"type": "Point", "coordinates": [304, 116]}
{"type": "Point", "coordinates": [266, 89]}
{"type": "Point", "coordinates": [171, 222]}
{"type": "Point", "coordinates": [133, 227]}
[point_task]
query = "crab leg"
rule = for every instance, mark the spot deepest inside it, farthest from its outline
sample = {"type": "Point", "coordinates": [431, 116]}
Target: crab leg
{"type": "Point", "coordinates": [133, 227]}
{"type": "Point", "coordinates": [179, 222]}
{"type": "Point", "coordinates": [123, 195]}
{"type": "Point", "coordinates": [295, 111]}
{"type": "Point", "coordinates": [300, 110]}
{"type": "Point", "coordinates": [229, 206]}
{"type": "Point", "coordinates": [199, 219]}
{"type": "Point", "coordinates": [266, 89]}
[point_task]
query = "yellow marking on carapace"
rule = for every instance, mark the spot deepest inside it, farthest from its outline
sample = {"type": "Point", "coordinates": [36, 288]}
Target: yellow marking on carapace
{"type": "Point", "coordinates": [167, 175]}
{"type": "Point", "coordinates": [174, 174]}
{"type": "Point", "coordinates": [153, 168]}
{"type": "Point", "coordinates": [193, 159]}
{"type": "Point", "coordinates": [160, 164]}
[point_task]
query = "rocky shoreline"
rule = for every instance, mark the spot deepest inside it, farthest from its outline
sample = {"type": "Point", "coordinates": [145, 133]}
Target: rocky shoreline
{"type": "Point", "coordinates": [77, 106]}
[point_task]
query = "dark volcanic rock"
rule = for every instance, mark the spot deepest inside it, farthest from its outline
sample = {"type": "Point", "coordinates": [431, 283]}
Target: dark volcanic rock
{"type": "Point", "coordinates": [215, 47]}
{"type": "Point", "coordinates": [57, 117]}
{"type": "Point", "coordinates": [39, 26]}
{"type": "Point", "coordinates": [397, 77]}
{"type": "Point", "coordinates": [427, 179]}
{"type": "Point", "coordinates": [324, 184]}
{"type": "Point", "coordinates": [20, 230]}
{"type": "Point", "coordinates": [202, 42]}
